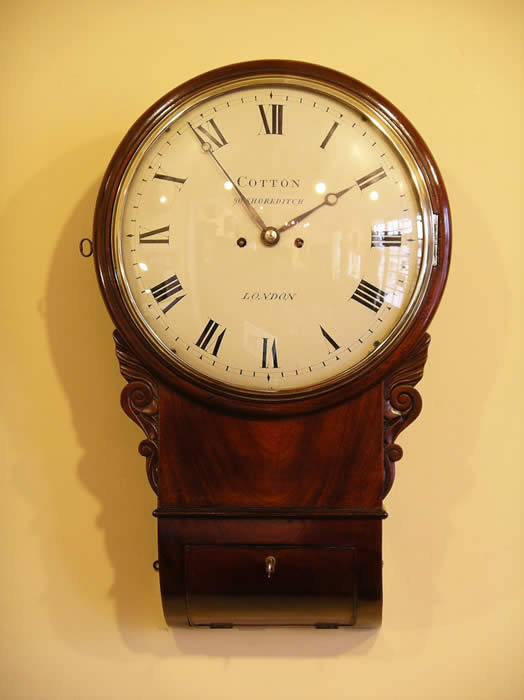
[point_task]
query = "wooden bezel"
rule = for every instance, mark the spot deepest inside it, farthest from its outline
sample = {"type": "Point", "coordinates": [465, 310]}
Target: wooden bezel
{"type": "Point", "coordinates": [234, 401]}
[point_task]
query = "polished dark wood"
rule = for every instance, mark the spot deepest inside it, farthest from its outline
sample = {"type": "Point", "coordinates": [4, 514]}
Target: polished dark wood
{"type": "Point", "coordinates": [300, 478]}
{"type": "Point", "coordinates": [139, 400]}
{"type": "Point", "coordinates": [323, 472]}
{"type": "Point", "coordinates": [233, 584]}
{"type": "Point", "coordinates": [311, 480]}
{"type": "Point", "coordinates": [317, 460]}
{"type": "Point", "coordinates": [250, 540]}
{"type": "Point", "coordinates": [402, 404]}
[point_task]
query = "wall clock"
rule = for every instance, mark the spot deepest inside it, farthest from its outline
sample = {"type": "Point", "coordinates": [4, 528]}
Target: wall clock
{"type": "Point", "coordinates": [272, 239]}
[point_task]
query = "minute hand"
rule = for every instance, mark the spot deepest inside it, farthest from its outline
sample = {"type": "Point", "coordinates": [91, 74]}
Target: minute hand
{"type": "Point", "coordinates": [329, 200]}
{"type": "Point", "coordinates": [206, 147]}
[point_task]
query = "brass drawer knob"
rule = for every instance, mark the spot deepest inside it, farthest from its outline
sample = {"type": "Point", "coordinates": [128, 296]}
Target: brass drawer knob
{"type": "Point", "coordinates": [271, 563]}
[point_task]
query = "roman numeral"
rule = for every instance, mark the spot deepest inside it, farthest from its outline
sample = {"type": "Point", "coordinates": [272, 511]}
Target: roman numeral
{"type": "Point", "coordinates": [330, 340]}
{"type": "Point", "coordinates": [169, 178]}
{"type": "Point", "coordinates": [329, 135]}
{"type": "Point", "coordinates": [277, 115]}
{"type": "Point", "coordinates": [165, 290]}
{"type": "Point", "coordinates": [269, 355]}
{"type": "Point", "coordinates": [154, 236]}
{"type": "Point", "coordinates": [207, 335]}
{"type": "Point", "coordinates": [386, 239]}
{"type": "Point", "coordinates": [371, 178]}
{"type": "Point", "coordinates": [212, 133]}
{"type": "Point", "coordinates": [370, 296]}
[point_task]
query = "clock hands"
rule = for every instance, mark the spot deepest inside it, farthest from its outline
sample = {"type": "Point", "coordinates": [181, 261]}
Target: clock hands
{"type": "Point", "coordinates": [330, 200]}
{"type": "Point", "coordinates": [269, 234]}
{"type": "Point", "coordinates": [207, 148]}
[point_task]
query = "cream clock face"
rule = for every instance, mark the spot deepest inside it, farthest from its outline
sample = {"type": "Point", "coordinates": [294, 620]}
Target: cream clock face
{"type": "Point", "coordinates": [272, 235]}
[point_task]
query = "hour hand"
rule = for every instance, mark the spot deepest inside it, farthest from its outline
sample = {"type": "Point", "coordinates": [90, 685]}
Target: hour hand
{"type": "Point", "coordinates": [329, 200]}
{"type": "Point", "coordinates": [207, 148]}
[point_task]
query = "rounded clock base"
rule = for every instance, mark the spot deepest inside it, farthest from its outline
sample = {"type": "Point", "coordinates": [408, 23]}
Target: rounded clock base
{"type": "Point", "coordinates": [216, 574]}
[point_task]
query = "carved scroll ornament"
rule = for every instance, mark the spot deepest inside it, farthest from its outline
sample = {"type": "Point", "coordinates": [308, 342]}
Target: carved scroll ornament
{"type": "Point", "coordinates": [402, 404]}
{"type": "Point", "coordinates": [139, 399]}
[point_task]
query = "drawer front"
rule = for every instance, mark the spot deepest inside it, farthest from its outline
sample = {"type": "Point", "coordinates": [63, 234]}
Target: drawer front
{"type": "Point", "coordinates": [270, 585]}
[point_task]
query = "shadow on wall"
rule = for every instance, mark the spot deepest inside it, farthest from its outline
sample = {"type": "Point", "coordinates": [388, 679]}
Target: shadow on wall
{"type": "Point", "coordinates": [109, 467]}
{"type": "Point", "coordinates": [112, 472]}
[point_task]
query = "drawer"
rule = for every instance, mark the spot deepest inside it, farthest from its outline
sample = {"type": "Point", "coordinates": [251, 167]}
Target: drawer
{"type": "Point", "coordinates": [270, 585]}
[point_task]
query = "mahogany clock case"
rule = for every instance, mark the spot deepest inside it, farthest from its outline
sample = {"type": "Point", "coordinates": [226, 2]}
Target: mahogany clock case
{"type": "Point", "coordinates": [296, 480]}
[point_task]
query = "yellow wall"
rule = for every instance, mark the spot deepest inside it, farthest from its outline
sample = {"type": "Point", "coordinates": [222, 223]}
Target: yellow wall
{"type": "Point", "coordinates": [81, 614]}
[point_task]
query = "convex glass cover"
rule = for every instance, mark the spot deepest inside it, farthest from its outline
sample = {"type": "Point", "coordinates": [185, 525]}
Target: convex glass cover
{"type": "Point", "coordinates": [272, 235]}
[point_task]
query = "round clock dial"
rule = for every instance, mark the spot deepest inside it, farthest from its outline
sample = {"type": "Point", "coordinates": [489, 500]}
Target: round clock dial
{"type": "Point", "coordinates": [272, 235]}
